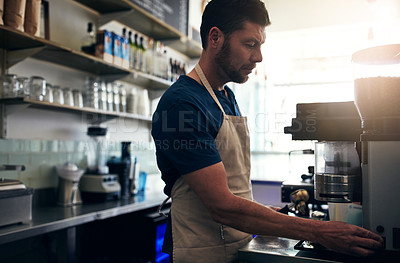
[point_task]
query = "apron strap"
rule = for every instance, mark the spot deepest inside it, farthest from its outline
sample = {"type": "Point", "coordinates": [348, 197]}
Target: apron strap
{"type": "Point", "coordinates": [160, 212]}
{"type": "Point", "coordinates": [205, 82]}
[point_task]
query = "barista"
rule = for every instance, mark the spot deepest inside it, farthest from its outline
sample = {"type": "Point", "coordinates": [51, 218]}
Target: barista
{"type": "Point", "coordinates": [202, 149]}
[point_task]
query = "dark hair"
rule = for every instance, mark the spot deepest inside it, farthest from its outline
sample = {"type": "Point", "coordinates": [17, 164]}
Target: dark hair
{"type": "Point", "coordinates": [229, 16]}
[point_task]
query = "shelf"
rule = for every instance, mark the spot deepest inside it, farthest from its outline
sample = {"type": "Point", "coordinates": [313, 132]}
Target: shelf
{"type": "Point", "coordinates": [20, 45]}
{"type": "Point", "coordinates": [89, 112]}
{"type": "Point", "coordinates": [135, 17]}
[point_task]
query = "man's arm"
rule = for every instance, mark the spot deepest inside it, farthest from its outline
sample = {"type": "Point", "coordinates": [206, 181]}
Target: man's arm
{"type": "Point", "coordinates": [210, 184]}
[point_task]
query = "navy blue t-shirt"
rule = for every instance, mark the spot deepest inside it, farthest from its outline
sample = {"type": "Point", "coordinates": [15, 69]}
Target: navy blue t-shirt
{"type": "Point", "coordinates": [184, 128]}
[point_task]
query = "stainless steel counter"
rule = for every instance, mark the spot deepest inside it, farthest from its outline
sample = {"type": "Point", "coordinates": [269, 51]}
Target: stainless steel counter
{"type": "Point", "coordinates": [53, 218]}
{"type": "Point", "coordinates": [281, 250]}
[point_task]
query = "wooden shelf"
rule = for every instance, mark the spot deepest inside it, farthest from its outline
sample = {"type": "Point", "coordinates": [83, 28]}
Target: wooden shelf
{"type": "Point", "coordinates": [105, 115]}
{"type": "Point", "coordinates": [20, 45]}
{"type": "Point", "coordinates": [135, 17]}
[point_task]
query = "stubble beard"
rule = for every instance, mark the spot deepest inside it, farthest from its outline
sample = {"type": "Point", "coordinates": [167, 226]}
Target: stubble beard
{"type": "Point", "coordinates": [223, 60]}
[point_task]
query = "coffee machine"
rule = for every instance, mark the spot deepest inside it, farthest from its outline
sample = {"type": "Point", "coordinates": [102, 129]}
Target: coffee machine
{"type": "Point", "coordinates": [358, 143]}
{"type": "Point", "coordinates": [377, 98]}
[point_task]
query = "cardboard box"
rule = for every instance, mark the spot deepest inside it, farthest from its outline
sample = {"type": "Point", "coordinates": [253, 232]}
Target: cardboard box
{"type": "Point", "coordinates": [125, 52]}
{"type": "Point", "coordinates": [104, 46]}
{"type": "Point", "coordinates": [117, 49]}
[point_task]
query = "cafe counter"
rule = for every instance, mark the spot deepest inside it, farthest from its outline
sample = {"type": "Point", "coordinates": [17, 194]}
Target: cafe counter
{"type": "Point", "coordinates": [52, 218]}
{"type": "Point", "coordinates": [282, 250]}
{"type": "Point", "coordinates": [91, 232]}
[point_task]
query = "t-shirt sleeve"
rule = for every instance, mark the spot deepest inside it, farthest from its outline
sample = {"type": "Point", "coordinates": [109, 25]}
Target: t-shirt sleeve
{"type": "Point", "coordinates": [185, 136]}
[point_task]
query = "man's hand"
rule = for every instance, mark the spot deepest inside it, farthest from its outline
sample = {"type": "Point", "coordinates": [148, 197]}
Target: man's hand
{"type": "Point", "coordinates": [349, 239]}
{"type": "Point", "coordinates": [210, 184]}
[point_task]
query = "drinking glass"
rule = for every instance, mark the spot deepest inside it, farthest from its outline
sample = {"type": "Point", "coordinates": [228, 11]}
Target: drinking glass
{"type": "Point", "coordinates": [49, 93]}
{"type": "Point", "coordinates": [58, 95]}
{"type": "Point", "coordinates": [116, 98]}
{"type": "Point", "coordinates": [103, 96]}
{"type": "Point", "coordinates": [110, 97]}
{"type": "Point", "coordinates": [78, 100]}
{"type": "Point", "coordinates": [92, 93]}
{"type": "Point", "coordinates": [68, 97]}
{"type": "Point", "coordinates": [122, 93]}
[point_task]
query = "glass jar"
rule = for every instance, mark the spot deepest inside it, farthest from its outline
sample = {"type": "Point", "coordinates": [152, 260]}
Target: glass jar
{"type": "Point", "coordinates": [23, 87]}
{"type": "Point", "coordinates": [37, 88]}
{"type": "Point", "coordinates": [9, 86]}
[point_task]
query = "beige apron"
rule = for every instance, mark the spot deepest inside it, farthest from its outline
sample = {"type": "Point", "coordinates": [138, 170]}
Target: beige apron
{"type": "Point", "coordinates": [196, 236]}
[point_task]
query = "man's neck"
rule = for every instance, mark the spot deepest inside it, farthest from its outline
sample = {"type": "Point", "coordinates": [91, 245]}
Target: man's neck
{"type": "Point", "coordinates": [211, 74]}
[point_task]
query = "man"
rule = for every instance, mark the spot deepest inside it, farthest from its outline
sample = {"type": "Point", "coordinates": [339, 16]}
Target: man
{"type": "Point", "coordinates": [202, 149]}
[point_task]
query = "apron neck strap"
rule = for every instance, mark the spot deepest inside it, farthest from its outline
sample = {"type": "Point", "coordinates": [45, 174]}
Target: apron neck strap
{"type": "Point", "coordinates": [205, 82]}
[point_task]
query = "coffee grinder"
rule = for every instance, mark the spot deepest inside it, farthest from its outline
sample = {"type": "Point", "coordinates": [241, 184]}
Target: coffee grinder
{"type": "Point", "coordinates": [97, 184]}
{"type": "Point", "coordinates": [377, 98]}
{"type": "Point", "coordinates": [335, 126]}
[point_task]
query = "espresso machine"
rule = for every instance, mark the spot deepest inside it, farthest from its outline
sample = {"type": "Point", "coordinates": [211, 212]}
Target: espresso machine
{"type": "Point", "coordinates": [377, 98]}
{"type": "Point", "coordinates": [97, 184]}
{"type": "Point", "coordinates": [358, 143]}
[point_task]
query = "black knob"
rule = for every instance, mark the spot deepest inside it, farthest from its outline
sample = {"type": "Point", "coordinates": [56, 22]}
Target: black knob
{"type": "Point", "coordinates": [380, 229]}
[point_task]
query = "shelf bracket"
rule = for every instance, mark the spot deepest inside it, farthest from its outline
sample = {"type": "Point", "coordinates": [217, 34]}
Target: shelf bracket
{"type": "Point", "coordinates": [96, 118]}
{"type": "Point", "coordinates": [3, 121]}
{"type": "Point", "coordinates": [15, 56]}
{"type": "Point", "coordinates": [5, 111]}
{"type": "Point", "coordinates": [105, 18]}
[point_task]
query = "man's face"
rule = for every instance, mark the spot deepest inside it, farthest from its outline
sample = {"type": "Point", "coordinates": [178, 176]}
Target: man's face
{"type": "Point", "coordinates": [240, 52]}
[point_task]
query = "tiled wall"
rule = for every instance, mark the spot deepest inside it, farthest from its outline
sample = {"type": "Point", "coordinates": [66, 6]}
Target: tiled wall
{"type": "Point", "coordinates": [40, 158]}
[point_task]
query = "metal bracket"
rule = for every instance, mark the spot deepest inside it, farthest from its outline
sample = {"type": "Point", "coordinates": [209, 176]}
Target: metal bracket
{"type": "Point", "coordinates": [15, 56]}
{"type": "Point", "coordinates": [3, 121]}
{"type": "Point", "coordinates": [105, 18]}
{"type": "Point", "coordinates": [5, 111]}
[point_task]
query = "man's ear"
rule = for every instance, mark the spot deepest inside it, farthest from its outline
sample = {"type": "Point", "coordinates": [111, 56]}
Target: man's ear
{"type": "Point", "coordinates": [215, 37]}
